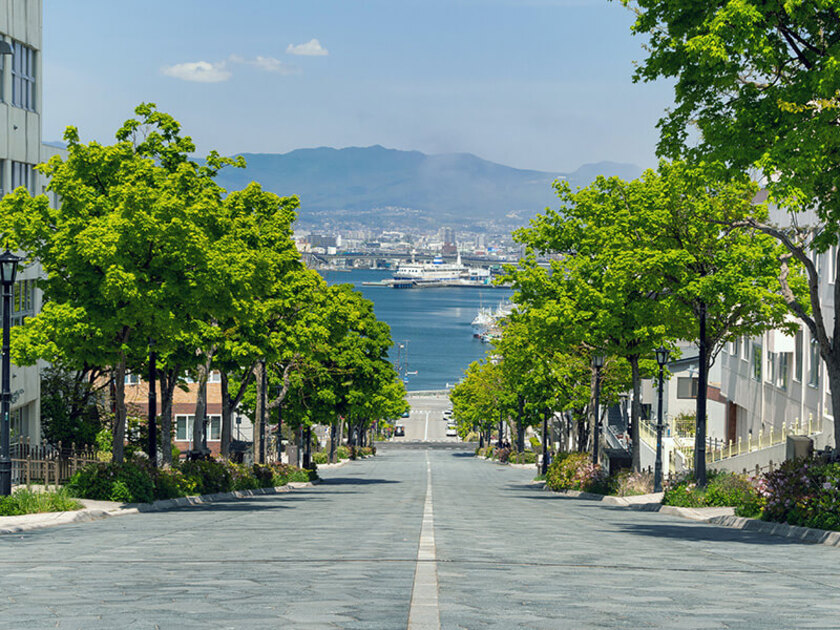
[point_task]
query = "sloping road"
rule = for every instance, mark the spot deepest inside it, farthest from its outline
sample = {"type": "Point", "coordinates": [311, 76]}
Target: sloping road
{"type": "Point", "coordinates": [495, 552]}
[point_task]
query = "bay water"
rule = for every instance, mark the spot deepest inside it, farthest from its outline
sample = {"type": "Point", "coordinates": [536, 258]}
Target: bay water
{"type": "Point", "coordinates": [433, 325]}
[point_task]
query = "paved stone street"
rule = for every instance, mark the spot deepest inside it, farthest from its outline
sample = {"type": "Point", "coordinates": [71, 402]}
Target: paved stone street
{"type": "Point", "coordinates": [344, 554]}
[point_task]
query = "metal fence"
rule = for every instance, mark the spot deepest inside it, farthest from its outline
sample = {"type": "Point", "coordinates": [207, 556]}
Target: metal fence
{"type": "Point", "coordinates": [717, 450]}
{"type": "Point", "coordinates": [46, 464]}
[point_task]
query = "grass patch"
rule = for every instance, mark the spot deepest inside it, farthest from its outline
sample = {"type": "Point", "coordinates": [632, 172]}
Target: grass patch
{"type": "Point", "coordinates": [27, 501]}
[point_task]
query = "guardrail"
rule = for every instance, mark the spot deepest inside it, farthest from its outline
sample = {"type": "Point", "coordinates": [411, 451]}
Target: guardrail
{"type": "Point", "coordinates": [718, 450]}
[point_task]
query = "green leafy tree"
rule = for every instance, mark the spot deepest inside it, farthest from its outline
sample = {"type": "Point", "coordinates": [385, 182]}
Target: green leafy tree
{"type": "Point", "coordinates": [125, 253]}
{"type": "Point", "coordinates": [759, 81]}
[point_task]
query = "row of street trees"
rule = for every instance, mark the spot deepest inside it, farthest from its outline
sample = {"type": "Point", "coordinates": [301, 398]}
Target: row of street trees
{"type": "Point", "coordinates": [148, 262]}
{"type": "Point", "coordinates": [635, 265]}
{"type": "Point", "coordinates": [686, 252]}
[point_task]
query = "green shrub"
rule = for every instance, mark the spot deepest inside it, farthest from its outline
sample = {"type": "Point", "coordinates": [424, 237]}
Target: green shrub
{"type": "Point", "coordinates": [130, 481]}
{"type": "Point", "coordinates": [25, 501]}
{"type": "Point", "coordinates": [264, 476]}
{"type": "Point", "coordinates": [525, 457]}
{"type": "Point", "coordinates": [723, 489]}
{"type": "Point", "coordinates": [575, 471]}
{"type": "Point", "coordinates": [206, 476]}
{"type": "Point", "coordinates": [321, 458]}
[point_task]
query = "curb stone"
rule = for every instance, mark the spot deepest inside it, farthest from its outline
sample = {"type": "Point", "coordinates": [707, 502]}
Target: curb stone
{"type": "Point", "coordinates": [803, 534]}
{"type": "Point", "coordinates": [488, 459]}
{"type": "Point", "coordinates": [28, 522]}
{"type": "Point", "coordinates": [718, 516]}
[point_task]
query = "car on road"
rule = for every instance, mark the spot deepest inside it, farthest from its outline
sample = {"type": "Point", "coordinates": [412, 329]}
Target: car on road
{"type": "Point", "coordinates": [399, 431]}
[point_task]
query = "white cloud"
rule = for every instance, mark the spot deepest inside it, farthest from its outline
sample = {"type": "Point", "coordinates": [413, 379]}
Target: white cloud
{"type": "Point", "coordinates": [312, 48]}
{"type": "Point", "coordinates": [199, 71]}
{"type": "Point", "coordinates": [270, 64]}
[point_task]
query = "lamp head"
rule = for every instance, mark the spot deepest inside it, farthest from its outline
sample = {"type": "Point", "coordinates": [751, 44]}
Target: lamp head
{"type": "Point", "coordinates": [8, 267]}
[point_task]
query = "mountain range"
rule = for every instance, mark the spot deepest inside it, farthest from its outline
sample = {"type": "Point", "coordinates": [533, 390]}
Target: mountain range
{"type": "Point", "coordinates": [375, 185]}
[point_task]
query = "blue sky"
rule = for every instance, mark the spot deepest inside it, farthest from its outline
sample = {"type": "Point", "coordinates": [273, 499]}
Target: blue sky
{"type": "Point", "coordinates": [542, 84]}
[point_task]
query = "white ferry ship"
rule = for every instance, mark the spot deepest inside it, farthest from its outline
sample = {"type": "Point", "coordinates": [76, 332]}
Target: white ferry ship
{"type": "Point", "coordinates": [436, 272]}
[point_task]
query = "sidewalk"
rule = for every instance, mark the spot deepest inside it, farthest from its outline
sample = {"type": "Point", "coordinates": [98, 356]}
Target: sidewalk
{"type": "Point", "coordinates": [95, 510]}
{"type": "Point", "coordinates": [717, 516]}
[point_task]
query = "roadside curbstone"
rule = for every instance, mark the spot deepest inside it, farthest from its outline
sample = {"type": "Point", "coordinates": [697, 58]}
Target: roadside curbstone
{"type": "Point", "coordinates": [28, 522]}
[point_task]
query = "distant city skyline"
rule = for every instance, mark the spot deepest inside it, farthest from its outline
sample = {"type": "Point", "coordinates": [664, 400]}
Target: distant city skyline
{"type": "Point", "coordinates": [534, 84]}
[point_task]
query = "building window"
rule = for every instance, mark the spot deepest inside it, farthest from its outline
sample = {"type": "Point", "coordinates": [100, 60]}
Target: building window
{"type": "Point", "coordinates": [797, 357]}
{"type": "Point", "coordinates": [687, 387]}
{"type": "Point", "coordinates": [2, 74]}
{"type": "Point", "coordinates": [771, 367]}
{"type": "Point", "coordinates": [23, 174]}
{"type": "Point", "coordinates": [814, 365]}
{"type": "Point", "coordinates": [23, 76]}
{"type": "Point", "coordinates": [23, 301]}
{"type": "Point", "coordinates": [756, 361]}
{"type": "Point", "coordinates": [782, 379]}
{"type": "Point", "coordinates": [184, 428]}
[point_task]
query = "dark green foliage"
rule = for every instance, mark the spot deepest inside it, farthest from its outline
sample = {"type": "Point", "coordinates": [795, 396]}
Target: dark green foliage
{"type": "Point", "coordinates": [69, 411]}
{"type": "Point", "coordinates": [137, 482]}
{"type": "Point", "coordinates": [128, 482]}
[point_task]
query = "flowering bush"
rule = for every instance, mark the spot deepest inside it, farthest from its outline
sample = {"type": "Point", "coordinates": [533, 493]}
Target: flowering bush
{"type": "Point", "coordinates": [628, 483]}
{"type": "Point", "coordinates": [804, 492]}
{"type": "Point", "coordinates": [575, 471]}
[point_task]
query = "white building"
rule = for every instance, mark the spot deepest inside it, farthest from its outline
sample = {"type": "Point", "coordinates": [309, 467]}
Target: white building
{"type": "Point", "coordinates": [20, 150]}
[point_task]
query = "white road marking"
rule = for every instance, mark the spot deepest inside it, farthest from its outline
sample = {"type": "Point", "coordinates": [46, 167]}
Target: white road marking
{"type": "Point", "coordinates": [424, 612]}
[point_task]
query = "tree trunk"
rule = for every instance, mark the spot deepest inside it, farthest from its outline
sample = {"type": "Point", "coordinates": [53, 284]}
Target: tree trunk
{"type": "Point", "coordinates": [118, 430]}
{"type": "Point", "coordinates": [227, 417]}
{"type": "Point", "coordinates": [636, 412]}
{"type": "Point", "coordinates": [259, 410]}
{"type": "Point", "coordinates": [702, 387]}
{"type": "Point", "coordinates": [333, 438]}
{"type": "Point", "coordinates": [168, 380]}
{"type": "Point", "coordinates": [200, 406]}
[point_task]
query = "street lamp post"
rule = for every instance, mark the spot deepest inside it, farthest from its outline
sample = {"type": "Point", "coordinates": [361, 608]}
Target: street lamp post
{"type": "Point", "coordinates": [597, 363]}
{"type": "Point", "coordinates": [8, 271]}
{"type": "Point", "coordinates": [661, 358]}
{"type": "Point", "coordinates": [152, 446]}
